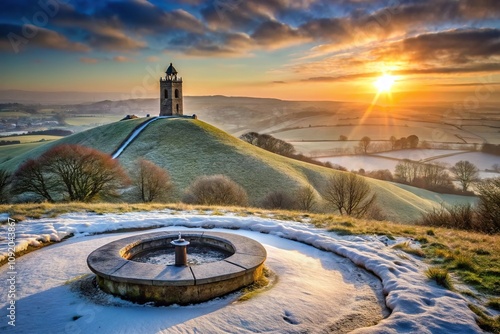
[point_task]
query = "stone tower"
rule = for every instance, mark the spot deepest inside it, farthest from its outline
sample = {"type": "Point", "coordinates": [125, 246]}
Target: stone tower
{"type": "Point", "coordinates": [171, 93]}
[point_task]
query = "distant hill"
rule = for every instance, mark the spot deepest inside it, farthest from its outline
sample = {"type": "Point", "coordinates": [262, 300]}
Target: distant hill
{"type": "Point", "coordinates": [190, 148]}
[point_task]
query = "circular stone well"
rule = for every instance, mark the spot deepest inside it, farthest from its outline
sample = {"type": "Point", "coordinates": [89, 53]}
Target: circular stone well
{"type": "Point", "coordinates": [119, 275]}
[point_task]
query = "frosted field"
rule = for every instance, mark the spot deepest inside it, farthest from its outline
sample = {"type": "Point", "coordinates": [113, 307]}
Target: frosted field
{"type": "Point", "coordinates": [481, 160]}
{"type": "Point", "coordinates": [389, 160]}
{"type": "Point", "coordinates": [425, 131]}
{"type": "Point", "coordinates": [316, 290]}
{"type": "Point", "coordinates": [367, 162]}
{"type": "Point", "coordinates": [418, 155]}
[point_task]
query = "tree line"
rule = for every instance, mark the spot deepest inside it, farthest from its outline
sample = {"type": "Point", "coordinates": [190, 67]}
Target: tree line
{"type": "Point", "coordinates": [281, 147]}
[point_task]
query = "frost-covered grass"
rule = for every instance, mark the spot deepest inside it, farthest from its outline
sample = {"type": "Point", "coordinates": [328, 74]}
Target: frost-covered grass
{"type": "Point", "coordinates": [8, 152]}
{"type": "Point", "coordinates": [31, 138]}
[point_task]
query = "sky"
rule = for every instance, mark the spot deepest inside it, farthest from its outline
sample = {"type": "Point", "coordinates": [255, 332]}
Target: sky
{"type": "Point", "coordinates": [287, 49]}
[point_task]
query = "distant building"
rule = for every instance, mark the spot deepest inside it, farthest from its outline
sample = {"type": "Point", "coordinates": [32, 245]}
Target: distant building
{"type": "Point", "coordinates": [171, 93]}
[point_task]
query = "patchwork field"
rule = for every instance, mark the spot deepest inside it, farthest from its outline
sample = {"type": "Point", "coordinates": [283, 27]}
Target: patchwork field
{"type": "Point", "coordinates": [31, 138]}
{"type": "Point", "coordinates": [389, 160]}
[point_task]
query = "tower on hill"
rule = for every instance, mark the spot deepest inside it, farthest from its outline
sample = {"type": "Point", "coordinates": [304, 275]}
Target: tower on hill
{"type": "Point", "coordinates": [171, 93]}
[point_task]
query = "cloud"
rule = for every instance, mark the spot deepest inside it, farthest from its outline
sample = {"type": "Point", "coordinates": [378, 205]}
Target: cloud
{"type": "Point", "coordinates": [276, 34]}
{"type": "Point", "coordinates": [153, 59]}
{"type": "Point", "coordinates": [88, 60]}
{"type": "Point", "coordinates": [122, 59]}
{"type": "Point", "coordinates": [123, 25]}
{"type": "Point", "coordinates": [216, 45]}
{"type": "Point", "coordinates": [146, 17]}
{"type": "Point", "coordinates": [113, 40]}
{"type": "Point", "coordinates": [457, 46]}
{"type": "Point", "coordinates": [15, 38]}
{"type": "Point", "coordinates": [457, 52]}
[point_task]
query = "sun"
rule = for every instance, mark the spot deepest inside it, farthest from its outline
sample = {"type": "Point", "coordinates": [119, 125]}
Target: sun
{"type": "Point", "coordinates": [384, 82]}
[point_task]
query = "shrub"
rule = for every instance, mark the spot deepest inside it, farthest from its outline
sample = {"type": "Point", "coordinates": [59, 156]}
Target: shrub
{"type": "Point", "coordinates": [305, 199]}
{"type": "Point", "coordinates": [5, 179]}
{"type": "Point", "coordinates": [215, 190]}
{"type": "Point", "coordinates": [278, 200]}
{"type": "Point", "coordinates": [460, 216]}
{"type": "Point", "coordinates": [380, 174]}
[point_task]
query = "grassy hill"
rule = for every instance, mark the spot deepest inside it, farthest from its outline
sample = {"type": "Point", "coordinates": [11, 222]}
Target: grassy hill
{"type": "Point", "coordinates": [189, 148]}
{"type": "Point", "coordinates": [105, 138]}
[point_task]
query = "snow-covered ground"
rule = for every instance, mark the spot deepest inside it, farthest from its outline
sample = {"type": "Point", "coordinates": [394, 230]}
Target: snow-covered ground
{"type": "Point", "coordinates": [389, 160]}
{"type": "Point", "coordinates": [368, 163]}
{"type": "Point", "coordinates": [481, 160]}
{"type": "Point", "coordinates": [316, 291]}
{"type": "Point", "coordinates": [418, 154]}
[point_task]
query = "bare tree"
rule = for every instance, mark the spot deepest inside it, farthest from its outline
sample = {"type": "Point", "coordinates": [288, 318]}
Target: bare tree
{"type": "Point", "coordinates": [489, 204]}
{"type": "Point", "coordinates": [32, 177]}
{"type": "Point", "coordinates": [84, 172]}
{"type": "Point", "coordinates": [466, 173]}
{"type": "Point", "coordinates": [364, 143]}
{"type": "Point", "coordinates": [78, 172]}
{"type": "Point", "coordinates": [434, 175]}
{"type": "Point", "coordinates": [349, 193]}
{"type": "Point", "coordinates": [5, 179]}
{"type": "Point", "coordinates": [305, 198]}
{"type": "Point", "coordinates": [216, 190]}
{"type": "Point", "coordinates": [152, 181]}
{"type": "Point", "coordinates": [407, 170]}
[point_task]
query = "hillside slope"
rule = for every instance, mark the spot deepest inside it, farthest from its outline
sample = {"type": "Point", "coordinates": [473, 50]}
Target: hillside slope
{"type": "Point", "coordinates": [105, 138]}
{"type": "Point", "coordinates": [189, 148]}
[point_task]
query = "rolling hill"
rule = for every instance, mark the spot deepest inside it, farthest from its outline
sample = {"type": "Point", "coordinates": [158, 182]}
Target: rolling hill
{"type": "Point", "coordinates": [189, 148]}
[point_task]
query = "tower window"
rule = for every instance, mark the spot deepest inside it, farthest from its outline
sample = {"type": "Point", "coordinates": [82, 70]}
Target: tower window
{"type": "Point", "coordinates": [176, 93]}
{"type": "Point", "coordinates": [166, 93]}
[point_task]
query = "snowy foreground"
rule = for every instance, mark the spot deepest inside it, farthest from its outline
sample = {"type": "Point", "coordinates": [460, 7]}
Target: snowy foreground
{"type": "Point", "coordinates": [315, 291]}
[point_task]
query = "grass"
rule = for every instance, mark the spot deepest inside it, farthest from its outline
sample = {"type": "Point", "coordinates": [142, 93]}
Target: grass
{"type": "Point", "coordinates": [105, 138]}
{"type": "Point", "coordinates": [440, 275]}
{"type": "Point", "coordinates": [8, 152]}
{"type": "Point", "coordinates": [90, 120]}
{"type": "Point", "coordinates": [486, 323]}
{"type": "Point", "coordinates": [266, 282]}
{"type": "Point", "coordinates": [494, 303]}
{"type": "Point", "coordinates": [406, 247]}
{"type": "Point", "coordinates": [31, 138]}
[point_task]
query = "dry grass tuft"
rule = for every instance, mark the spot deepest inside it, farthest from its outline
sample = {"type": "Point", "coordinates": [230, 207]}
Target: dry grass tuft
{"type": "Point", "coordinates": [440, 275]}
